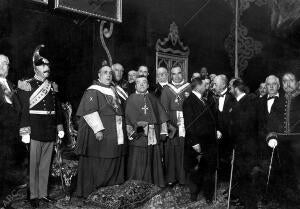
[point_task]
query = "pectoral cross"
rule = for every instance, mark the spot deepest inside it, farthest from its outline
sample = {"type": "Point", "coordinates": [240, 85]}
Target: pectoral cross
{"type": "Point", "coordinates": [145, 108]}
{"type": "Point", "coordinates": [178, 98]}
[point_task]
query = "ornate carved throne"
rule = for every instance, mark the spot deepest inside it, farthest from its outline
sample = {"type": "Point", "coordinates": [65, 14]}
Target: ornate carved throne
{"type": "Point", "coordinates": [171, 52]}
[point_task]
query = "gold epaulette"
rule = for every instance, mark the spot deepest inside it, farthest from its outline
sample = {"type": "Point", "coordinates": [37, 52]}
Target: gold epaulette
{"type": "Point", "coordinates": [24, 85]}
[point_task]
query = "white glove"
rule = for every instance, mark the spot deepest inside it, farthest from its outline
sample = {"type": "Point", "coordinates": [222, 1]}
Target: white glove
{"type": "Point", "coordinates": [61, 134]}
{"type": "Point", "coordinates": [26, 139]}
{"type": "Point", "coordinates": [219, 135]}
{"type": "Point", "coordinates": [197, 148]}
{"type": "Point", "coordinates": [272, 143]}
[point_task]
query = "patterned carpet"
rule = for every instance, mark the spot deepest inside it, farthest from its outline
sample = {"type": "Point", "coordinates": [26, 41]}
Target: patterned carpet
{"type": "Point", "coordinates": [132, 194]}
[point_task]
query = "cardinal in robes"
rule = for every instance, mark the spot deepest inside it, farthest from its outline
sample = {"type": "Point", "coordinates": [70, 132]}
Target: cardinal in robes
{"type": "Point", "coordinates": [172, 98]}
{"type": "Point", "coordinates": [101, 144]}
{"type": "Point", "coordinates": [146, 127]}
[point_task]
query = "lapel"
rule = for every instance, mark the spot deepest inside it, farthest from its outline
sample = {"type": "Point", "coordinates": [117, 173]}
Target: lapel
{"type": "Point", "coordinates": [197, 101]}
{"type": "Point", "coordinates": [225, 102]}
{"type": "Point", "coordinates": [11, 86]}
{"type": "Point", "coordinates": [265, 105]}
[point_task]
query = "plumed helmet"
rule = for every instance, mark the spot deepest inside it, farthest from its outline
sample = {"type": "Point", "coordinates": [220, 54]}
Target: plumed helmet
{"type": "Point", "coordinates": [39, 56]}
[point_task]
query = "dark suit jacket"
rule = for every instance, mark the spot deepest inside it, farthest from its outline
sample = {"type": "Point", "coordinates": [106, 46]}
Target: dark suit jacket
{"type": "Point", "coordinates": [158, 89]}
{"type": "Point", "coordinates": [200, 125]}
{"type": "Point", "coordinates": [9, 117]}
{"type": "Point", "coordinates": [224, 117]}
{"type": "Point", "coordinates": [243, 125]}
{"type": "Point", "coordinates": [9, 113]}
{"type": "Point", "coordinates": [263, 115]}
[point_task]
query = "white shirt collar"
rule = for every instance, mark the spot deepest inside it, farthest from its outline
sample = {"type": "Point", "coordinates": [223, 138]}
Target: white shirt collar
{"type": "Point", "coordinates": [197, 94]}
{"type": "Point", "coordinates": [163, 84]}
{"type": "Point", "coordinates": [240, 97]}
{"type": "Point", "coordinates": [223, 92]}
{"type": "Point", "coordinates": [177, 84]}
{"type": "Point", "coordinates": [141, 93]}
{"type": "Point", "coordinates": [3, 79]}
{"type": "Point", "coordinates": [276, 95]}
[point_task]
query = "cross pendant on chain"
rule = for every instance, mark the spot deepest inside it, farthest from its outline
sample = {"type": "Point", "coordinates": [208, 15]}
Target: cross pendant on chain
{"type": "Point", "coordinates": [145, 108]}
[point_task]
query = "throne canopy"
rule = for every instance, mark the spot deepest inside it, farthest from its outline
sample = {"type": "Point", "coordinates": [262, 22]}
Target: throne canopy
{"type": "Point", "coordinates": [172, 52]}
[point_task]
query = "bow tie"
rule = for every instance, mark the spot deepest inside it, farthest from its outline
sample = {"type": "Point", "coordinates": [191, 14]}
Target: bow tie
{"type": "Point", "coordinates": [271, 97]}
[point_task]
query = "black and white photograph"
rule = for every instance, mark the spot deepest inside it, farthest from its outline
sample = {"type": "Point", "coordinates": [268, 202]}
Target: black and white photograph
{"type": "Point", "coordinates": [149, 104]}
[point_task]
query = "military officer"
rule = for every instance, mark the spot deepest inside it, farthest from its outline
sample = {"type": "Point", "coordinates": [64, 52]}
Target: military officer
{"type": "Point", "coordinates": [41, 121]}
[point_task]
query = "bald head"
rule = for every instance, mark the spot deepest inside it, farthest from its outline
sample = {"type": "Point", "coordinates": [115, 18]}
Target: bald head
{"type": "Point", "coordinates": [4, 66]}
{"type": "Point", "coordinates": [118, 71]}
{"type": "Point", "coordinates": [220, 84]}
{"type": "Point", "coordinates": [162, 75]}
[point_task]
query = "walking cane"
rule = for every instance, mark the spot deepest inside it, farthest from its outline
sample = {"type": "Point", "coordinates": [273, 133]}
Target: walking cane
{"type": "Point", "coordinates": [230, 182]}
{"type": "Point", "coordinates": [216, 174]}
{"type": "Point", "coordinates": [270, 167]}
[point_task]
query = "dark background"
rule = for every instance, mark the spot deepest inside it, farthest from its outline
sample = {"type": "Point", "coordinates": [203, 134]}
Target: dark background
{"type": "Point", "coordinates": [76, 52]}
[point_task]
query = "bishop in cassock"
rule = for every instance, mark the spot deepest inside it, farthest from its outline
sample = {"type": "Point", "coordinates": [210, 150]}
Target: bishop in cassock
{"type": "Point", "coordinates": [101, 144]}
{"type": "Point", "coordinates": [172, 98]}
{"type": "Point", "coordinates": [146, 126]}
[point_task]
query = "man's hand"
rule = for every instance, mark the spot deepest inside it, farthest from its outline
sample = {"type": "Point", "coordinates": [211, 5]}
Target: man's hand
{"type": "Point", "coordinates": [99, 135]}
{"type": "Point", "coordinates": [26, 139]}
{"type": "Point", "coordinates": [163, 137]}
{"type": "Point", "coordinates": [61, 134]}
{"type": "Point", "coordinates": [219, 135]}
{"type": "Point", "coordinates": [197, 148]}
{"type": "Point", "coordinates": [272, 143]}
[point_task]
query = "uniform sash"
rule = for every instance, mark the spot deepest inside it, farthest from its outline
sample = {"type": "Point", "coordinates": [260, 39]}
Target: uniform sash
{"type": "Point", "coordinates": [121, 92]}
{"type": "Point", "coordinates": [39, 94]}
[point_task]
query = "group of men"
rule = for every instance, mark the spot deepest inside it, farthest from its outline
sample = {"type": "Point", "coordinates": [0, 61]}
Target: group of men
{"type": "Point", "coordinates": [165, 132]}
{"type": "Point", "coordinates": [180, 132]}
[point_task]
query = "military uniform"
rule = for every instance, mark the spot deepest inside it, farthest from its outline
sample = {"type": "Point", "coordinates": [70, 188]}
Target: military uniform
{"type": "Point", "coordinates": [284, 123]}
{"type": "Point", "coordinates": [41, 118]}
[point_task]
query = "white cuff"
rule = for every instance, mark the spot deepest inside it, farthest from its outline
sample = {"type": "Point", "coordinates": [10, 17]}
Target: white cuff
{"type": "Point", "coordinates": [94, 121]}
{"type": "Point", "coordinates": [164, 129]}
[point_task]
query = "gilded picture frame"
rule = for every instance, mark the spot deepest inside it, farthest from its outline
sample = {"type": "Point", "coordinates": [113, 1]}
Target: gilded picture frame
{"type": "Point", "coordinates": [110, 10]}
